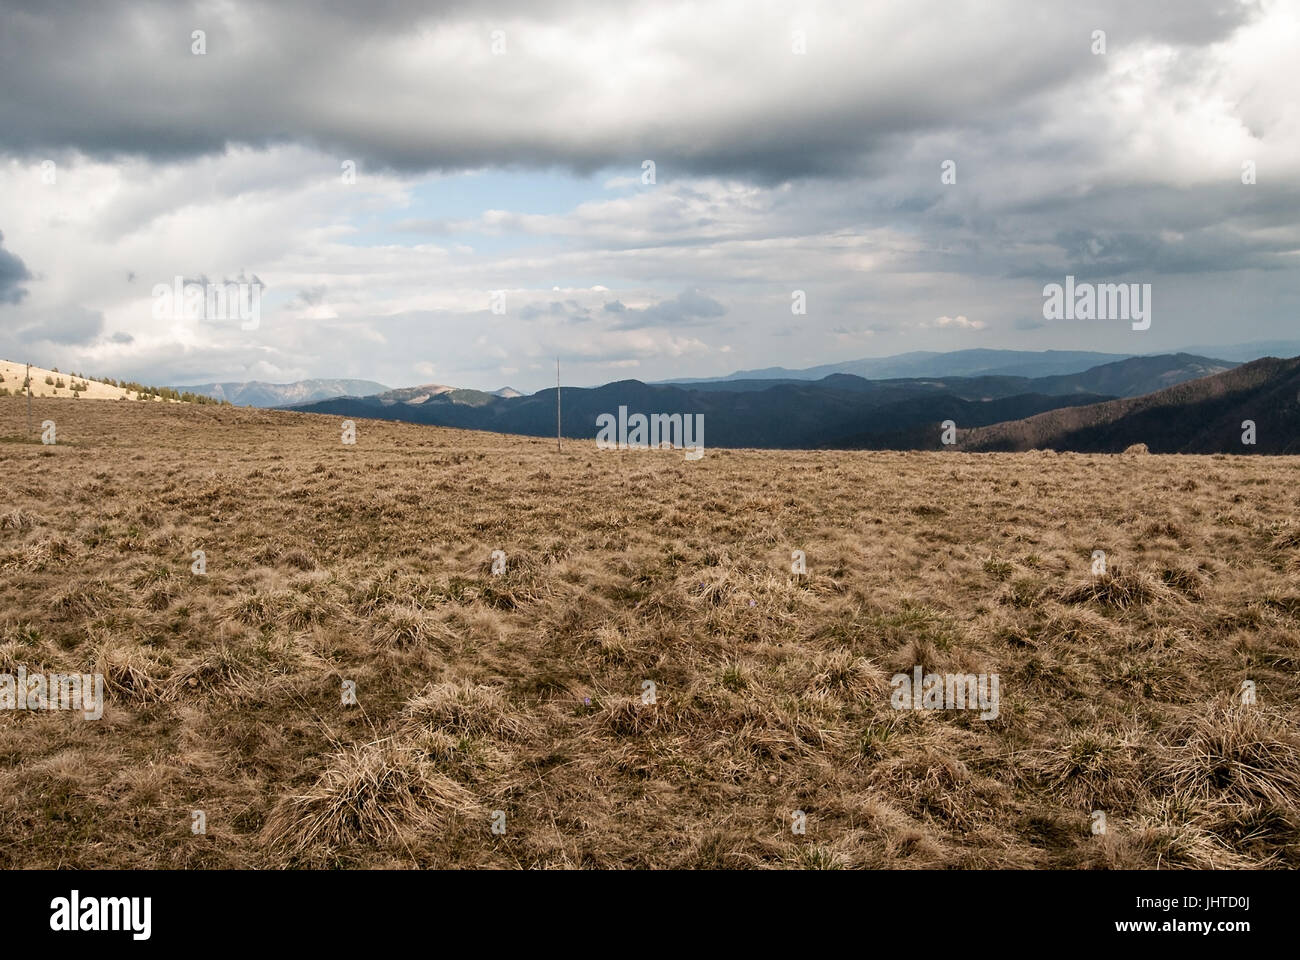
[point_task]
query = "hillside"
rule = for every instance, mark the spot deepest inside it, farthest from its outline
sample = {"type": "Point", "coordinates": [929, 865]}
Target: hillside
{"type": "Point", "coordinates": [1200, 416]}
{"type": "Point", "coordinates": [1133, 377]}
{"type": "Point", "coordinates": [52, 383]}
{"type": "Point", "coordinates": [368, 568]}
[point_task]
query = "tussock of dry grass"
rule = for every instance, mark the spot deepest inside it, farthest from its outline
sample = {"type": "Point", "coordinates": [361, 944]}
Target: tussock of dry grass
{"type": "Point", "coordinates": [1119, 588]}
{"type": "Point", "coordinates": [1095, 768]}
{"type": "Point", "coordinates": [1237, 752]}
{"type": "Point", "coordinates": [1168, 837]}
{"type": "Point", "coordinates": [376, 792]}
{"type": "Point", "coordinates": [937, 786]}
{"type": "Point", "coordinates": [465, 708]}
{"type": "Point", "coordinates": [129, 671]}
{"type": "Point", "coordinates": [368, 568]}
{"type": "Point", "coordinates": [231, 669]}
{"type": "Point", "coordinates": [1187, 581]}
{"type": "Point", "coordinates": [87, 600]}
{"type": "Point", "coordinates": [1288, 538]}
{"type": "Point", "coordinates": [407, 625]}
{"type": "Point", "coordinates": [841, 674]}
{"type": "Point", "coordinates": [630, 717]}
{"type": "Point", "coordinates": [18, 520]}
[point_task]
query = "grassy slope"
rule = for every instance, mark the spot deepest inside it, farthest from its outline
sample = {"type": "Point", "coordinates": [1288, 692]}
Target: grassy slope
{"type": "Point", "coordinates": [371, 563]}
{"type": "Point", "coordinates": [14, 373]}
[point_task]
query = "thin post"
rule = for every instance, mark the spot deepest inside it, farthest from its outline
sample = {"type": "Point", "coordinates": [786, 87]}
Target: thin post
{"type": "Point", "coordinates": [557, 405]}
{"type": "Point", "coordinates": [29, 399]}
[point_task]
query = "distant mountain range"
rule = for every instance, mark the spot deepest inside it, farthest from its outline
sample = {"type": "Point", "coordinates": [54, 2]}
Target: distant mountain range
{"type": "Point", "coordinates": [1123, 378]}
{"type": "Point", "coordinates": [1174, 403]}
{"type": "Point", "coordinates": [256, 393]}
{"type": "Point", "coordinates": [839, 410]}
{"type": "Point", "coordinates": [1025, 364]}
{"type": "Point", "coordinates": [924, 363]}
{"type": "Point", "coordinates": [975, 363]}
{"type": "Point", "coordinates": [1199, 416]}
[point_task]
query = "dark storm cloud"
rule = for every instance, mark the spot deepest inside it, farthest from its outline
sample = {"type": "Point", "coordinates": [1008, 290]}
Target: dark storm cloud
{"type": "Point", "coordinates": [65, 326]}
{"type": "Point", "coordinates": [568, 308]}
{"type": "Point", "coordinates": [310, 297]}
{"type": "Point", "coordinates": [12, 274]}
{"type": "Point", "coordinates": [406, 86]}
{"type": "Point", "coordinates": [689, 306]}
{"type": "Point", "coordinates": [1122, 228]}
{"type": "Point", "coordinates": [69, 326]}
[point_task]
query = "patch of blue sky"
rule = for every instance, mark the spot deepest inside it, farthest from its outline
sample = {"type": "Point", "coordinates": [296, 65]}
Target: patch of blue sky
{"type": "Point", "coordinates": [466, 197]}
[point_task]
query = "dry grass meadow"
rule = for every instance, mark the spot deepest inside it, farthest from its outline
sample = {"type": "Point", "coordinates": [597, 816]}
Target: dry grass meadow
{"type": "Point", "coordinates": [521, 692]}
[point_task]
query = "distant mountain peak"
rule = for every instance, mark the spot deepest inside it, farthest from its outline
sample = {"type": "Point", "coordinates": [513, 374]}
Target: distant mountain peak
{"type": "Point", "coordinates": [417, 394]}
{"type": "Point", "coordinates": [258, 393]}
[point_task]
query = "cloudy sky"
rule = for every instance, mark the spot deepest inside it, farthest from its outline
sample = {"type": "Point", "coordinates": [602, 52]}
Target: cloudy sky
{"type": "Point", "coordinates": [503, 147]}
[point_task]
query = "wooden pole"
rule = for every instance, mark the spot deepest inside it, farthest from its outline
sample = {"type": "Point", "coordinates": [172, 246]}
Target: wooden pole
{"type": "Point", "coordinates": [557, 405]}
{"type": "Point", "coordinates": [29, 399]}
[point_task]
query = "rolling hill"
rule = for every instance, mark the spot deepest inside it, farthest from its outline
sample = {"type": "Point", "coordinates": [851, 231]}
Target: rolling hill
{"type": "Point", "coordinates": [1133, 377]}
{"type": "Point", "coordinates": [52, 383]}
{"type": "Point", "coordinates": [1199, 416]}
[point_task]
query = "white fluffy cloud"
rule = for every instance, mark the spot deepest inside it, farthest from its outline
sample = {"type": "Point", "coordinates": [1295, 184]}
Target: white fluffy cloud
{"type": "Point", "coordinates": [960, 323]}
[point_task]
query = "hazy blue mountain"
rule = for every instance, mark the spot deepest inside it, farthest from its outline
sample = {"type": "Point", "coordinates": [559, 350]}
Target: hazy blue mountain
{"type": "Point", "coordinates": [1122, 378]}
{"type": "Point", "coordinates": [973, 363]}
{"type": "Point", "coordinates": [1245, 352]}
{"type": "Point", "coordinates": [256, 393]}
{"type": "Point", "coordinates": [958, 363]}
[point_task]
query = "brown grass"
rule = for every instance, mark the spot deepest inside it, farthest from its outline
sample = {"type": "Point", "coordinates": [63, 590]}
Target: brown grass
{"type": "Point", "coordinates": [522, 692]}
